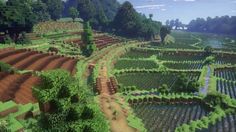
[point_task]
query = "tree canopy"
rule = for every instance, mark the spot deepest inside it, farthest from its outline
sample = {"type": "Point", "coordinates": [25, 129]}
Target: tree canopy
{"type": "Point", "coordinates": [219, 25]}
{"type": "Point", "coordinates": [132, 24]}
{"type": "Point", "coordinates": [74, 13]}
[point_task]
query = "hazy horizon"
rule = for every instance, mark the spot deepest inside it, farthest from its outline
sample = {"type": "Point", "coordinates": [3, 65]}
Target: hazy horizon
{"type": "Point", "coordinates": [185, 10]}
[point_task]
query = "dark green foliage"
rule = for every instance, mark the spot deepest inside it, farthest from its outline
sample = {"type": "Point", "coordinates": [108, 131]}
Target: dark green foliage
{"type": "Point", "coordinates": [74, 13]}
{"type": "Point", "coordinates": [40, 9]}
{"type": "Point", "coordinates": [17, 16]}
{"type": "Point", "coordinates": [74, 114]}
{"type": "Point", "coordinates": [88, 113]}
{"type": "Point", "coordinates": [217, 99]}
{"type": "Point", "coordinates": [163, 89]}
{"type": "Point", "coordinates": [221, 25]}
{"type": "Point", "coordinates": [23, 39]}
{"type": "Point", "coordinates": [89, 46]}
{"type": "Point", "coordinates": [209, 60]}
{"type": "Point", "coordinates": [55, 8]}
{"type": "Point", "coordinates": [208, 50]}
{"type": "Point", "coordinates": [164, 31]}
{"type": "Point", "coordinates": [184, 84]}
{"type": "Point", "coordinates": [5, 67]}
{"type": "Point", "coordinates": [7, 40]}
{"type": "Point", "coordinates": [87, 9]}
{"type": "Point", "coordinates": [63, 115]}
{"type": "Point", "coordinates": [129, 23]}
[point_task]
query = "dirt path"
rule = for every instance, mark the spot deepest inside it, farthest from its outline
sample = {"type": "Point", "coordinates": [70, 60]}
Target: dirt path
{"type": "Point", "coordinates": [111, 106]}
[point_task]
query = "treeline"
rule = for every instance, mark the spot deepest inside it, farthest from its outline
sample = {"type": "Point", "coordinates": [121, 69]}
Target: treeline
{"type": "Point", "coordinates": [110, 16]}
{"type": "Point", "coordinates": [219, 25]}
{"type": "Point", "coordinates": [106, 15]}
{"type": "Point", "coordinates": [19, 16]}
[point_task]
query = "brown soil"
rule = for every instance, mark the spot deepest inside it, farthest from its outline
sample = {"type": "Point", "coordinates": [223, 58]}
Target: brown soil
{"type": "Point", "coordinates": [33, 60]}
{"type": "Point", "coordinates": [18, 87]}
{"type": "Point", "coordinates": [111, 108]}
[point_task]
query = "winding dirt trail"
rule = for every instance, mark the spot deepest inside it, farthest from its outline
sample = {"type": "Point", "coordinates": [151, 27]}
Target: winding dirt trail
{"type": "Point", "coordinates": [111, 106]}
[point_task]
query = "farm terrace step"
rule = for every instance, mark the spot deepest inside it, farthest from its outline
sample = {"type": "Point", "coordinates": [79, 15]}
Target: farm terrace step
{"type": "Point", "coordinates": [17, 87]}
{"type": "Point", "coordinates": [27, 59]}
{"type": "Point", "coordinates": [164, 117]}
{"type": "Point", "coordinates": [101, 41]}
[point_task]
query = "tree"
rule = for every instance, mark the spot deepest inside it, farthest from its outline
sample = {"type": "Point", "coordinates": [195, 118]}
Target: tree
{"type": "Point", "coordinates": [164, 31]}
{"type": "Point", "coordinates": [167, 22]}
{"type": "Point", "coordinates": [150, 16]}
{"type": "Point", "coordinates": [177, 23]}
{"type": "Point", "coordinates": [129, 23]}
{"type": "Point", "coordinates": [89, 46]}
{"type": "Point", "coordinates": [87, 9]}
{"type": "Point", "coordinates": [17, 16]}
{"type": "Point", "coordinates": [73, 13]}
{"type": "Point", "coordinates": [55, 8]}
{"type": "Point", "coordinates": [125, 21]}
{"type": "Point", "coordinates": [40, 10]}
{"type": "Point", "coordinates": [184, 84]}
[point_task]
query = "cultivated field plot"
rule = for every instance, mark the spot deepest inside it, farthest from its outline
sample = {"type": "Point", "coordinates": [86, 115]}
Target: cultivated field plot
{"type": "Point", "coordinates": [151, 80]}
{"type": "Point", "coordinates": [226, 124]}
{"type": "Point", "coordinates": [17, 87]}
{"type": "Point", "coordinates": [137, 54]}
{"type": "Point", "coordinates": [24, 59]}
{"type": "Point", "coordinates": [180, 57]}
{"type": "Point", "coordinates": [228, 74]}
{"type": "Point", "coordinates": [165, 118]}
{"type": "Point", "coordinates": [188, 66]}
{"type": "Point", "coordinates": [127, 64]}
{"type": "Point", "coordinates": [101, 41]}
{"type": "Point", "coordinates": [227, 87]}
{"type": "Point", "coordinates": [226, 59]}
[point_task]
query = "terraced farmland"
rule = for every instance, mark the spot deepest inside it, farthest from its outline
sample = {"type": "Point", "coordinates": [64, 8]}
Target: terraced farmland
{"type": "Point", "coordinates": [17, 87]}
{"type": "Point", "coordinates": [165, 118]}
{"type": "Point", "coordinates": [188, 66]}
{"type": "Point", "coordinates": [226, 124]}
{"type": "Point", "coordinates": [127, 64]}
{"type": "Point", "coordinates": [101, 41]}
{"type": "Point", "coordinates": [151, 80]}
{"type": "Point", "coordinates": [24, 59]}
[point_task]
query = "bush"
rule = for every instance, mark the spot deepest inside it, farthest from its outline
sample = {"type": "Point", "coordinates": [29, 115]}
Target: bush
{"type": "Point", "coordinates": [7, 40]}
{"type": "Point", "coordinates": [6, 67]}
{"type": "Point", "coordinates": [23, 39]}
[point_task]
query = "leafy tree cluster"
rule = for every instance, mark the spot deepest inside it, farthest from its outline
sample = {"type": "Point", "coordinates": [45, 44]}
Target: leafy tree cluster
{"type": "Point", "coordinates": [219, 25]}
{"type": "Point", "coordinates": [129, 23]}
{"type": "Point", "coordinates": [87, 37]}
{"type": "Point", "coordinates": [67, 111]}
{"type": "Point", "coordinates": [19, 16]}
{"type": "Point", "coordinates": [184, 84]}
{"type": "Point", "coordinates": [177, 24]}
{"type": "Point", "coordinates": [98, 12]}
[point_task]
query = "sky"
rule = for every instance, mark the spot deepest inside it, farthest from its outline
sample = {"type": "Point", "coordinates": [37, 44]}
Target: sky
{"type": "Point", "coordinates": [185, 10]}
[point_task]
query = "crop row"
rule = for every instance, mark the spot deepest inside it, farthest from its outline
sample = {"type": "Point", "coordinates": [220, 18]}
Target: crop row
{"type": "Point", "coordinates": [17, 87]}
{"type": "Point", "coordinates": [151, 80]}
{"type": "Point", "coordinates": [167, 117]}
{"type": "Point", "coordinates": [229, 74]}
{"type": "Point", "coordinates": [226, 124]}
{"type": "Point", "coordinates": [100, 41]}
{"type": "Point", "coordinates": [33, 60]}
{"type": "Point", "coordinates": [127, 64]}
{"type": "Point", "coordinates": [188, 66]}
{"type": "Point", "coordinates": [226, 87]}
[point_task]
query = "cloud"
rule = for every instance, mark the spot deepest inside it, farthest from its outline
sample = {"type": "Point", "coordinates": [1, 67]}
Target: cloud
{"type": "Point", "coordinates": [233, 11]}
{"type": "Point", "coordinates": [157, 6]}
{"type": "Point", "coordinates": [163, 9]}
